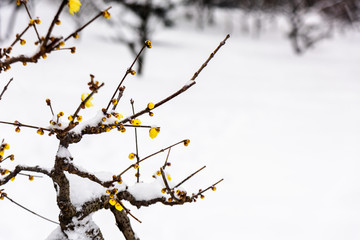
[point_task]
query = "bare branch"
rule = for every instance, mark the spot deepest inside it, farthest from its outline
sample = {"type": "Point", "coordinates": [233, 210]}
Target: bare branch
{"type": "Point", "coordinates": [178, 185]}
{"type": "Point", "coordinates": [5, 88]}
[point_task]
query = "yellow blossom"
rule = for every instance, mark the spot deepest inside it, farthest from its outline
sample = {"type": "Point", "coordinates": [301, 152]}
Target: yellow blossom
{"type": "Point", "coordinates": [106, 14]}
{"type": "Point", "coordinates": [135, 122]}
{"type": "Point", "coordinates": [74, 6]}
{"type": "Point", "coordinates": [153, 132]}
{"type": "Point", "coordinates": [112, 201]}
{"type": "Point", "coordinates": [131, 156]}
{"type": "Point", "coordinates": [148, 44]}
{"type": "Point", "coordinates": [168, 177]}
{"type": "Point", "coordinates": [150, 105]}
{"type": "Point", "coordinates": [88, 102]}
{"type": "Point", "coordinates": [118, 116]}
{"type": "Point", "coordinates": [186, 142]}
{"type": "Point", "coordinates": [118, 207]}
{"type": "Point", "coordinates": [31, 178]}
{"type": "Point", "coordinates": [40, 131]}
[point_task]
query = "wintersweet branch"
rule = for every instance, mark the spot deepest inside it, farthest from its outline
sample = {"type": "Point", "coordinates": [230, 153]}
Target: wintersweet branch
{"type": "Point", "coordinates": [206, 189]}
{"type": "Point", "coordinates": [20, 168]}
{"type": "Point", "coordinates": [183, 89]}
{"type": "Point", "coordinates": [18, 124]}
{"type": "Point", "coordinates": [33, 25]}
{"type": "Point", "coordinates": [86, 24]}
{"type": "Point", "coordinates": [129, 70]}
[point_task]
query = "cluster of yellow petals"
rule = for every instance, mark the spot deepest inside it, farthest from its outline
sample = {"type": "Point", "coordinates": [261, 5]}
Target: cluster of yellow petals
{"type": "Point", "coordinates": [153, 132]}
{"type": "Point", "coordinates": [135, 122]}
{"type": "Point", "coordinates": [88, 102]}
{"type": "Point", "coordinates": [74, 6]}
{"type": "Point", "coordinates": [106, 14]}
{"type": "Point", "coordinates": [117, 205]}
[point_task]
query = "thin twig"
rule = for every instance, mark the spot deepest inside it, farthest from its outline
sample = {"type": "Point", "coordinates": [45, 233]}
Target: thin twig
{"type": "Point", "coordinates": [166, 160]}
{"type": "Point", "coordinates": [147, 157]}
{"type": "Point", "coordinates": [201, 192]}
{"type": "Point", "coordinates": [128, 211]}
{"type": "Point", "coordinates": [28, 12]}
{"type": "Point", "coordinates": [5, 88]}
{"type": "Point", "coordinates": [18, 124]}
{"type": "Point", "coordinates": [125, 75]}
{"type": "Point", "coordinates": [55, 19]}
{"type": "Point", "coordinates": [29, 210]}
{"type": "Point", "coordinates": [136, 144]}
{"type": "Point", "coordinates": [190, 176]}
{"type": "Point", "coordinates": [86, 24]}
{"type": "Point", "coordinates": [19, 36]}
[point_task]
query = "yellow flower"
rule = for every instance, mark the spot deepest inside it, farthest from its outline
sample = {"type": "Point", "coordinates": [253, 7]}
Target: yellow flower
{"type": "Point", "coordinates": [31, 178]}
{"type": "Point", "coordinates": [136, 166]}
{"type": "Point", "coordinates": [112, 201]}
{"type": "Point", "coordinates": [106, 14]}
{"type": "Point", "coordinates": [88, 102]}
{"type": "Point", "coordinates": [40, 131]}
{"type": "Point", "coordinates": [118, 207]}
{"type": "Point", "coordinates": [168, 177]}
{"type": "Point", "coordinates": [6, 146]}
{"type": "Point", "coordinates": [150, 105]}
{"type": "Point", "coordinates": [186, 142]}
{"type": "Point", "coordinates": [118, 116]}
{"type": "Point", "coordinates": [153, 132]}
{"type": "Point", "coordinates": [131, 156]}
{"type": "Point", "coordinates": [135, 122]}
{"type": "Point", "coordinates": [148, 44]}
{"type": "Point", "coordinates": [12, 179]}
{"type": "Point", "coordinates": [74, 6]}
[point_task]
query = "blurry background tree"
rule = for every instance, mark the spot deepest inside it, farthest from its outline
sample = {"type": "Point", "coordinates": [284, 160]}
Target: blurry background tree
{"type": "Point", "coordinates": [308, 21]}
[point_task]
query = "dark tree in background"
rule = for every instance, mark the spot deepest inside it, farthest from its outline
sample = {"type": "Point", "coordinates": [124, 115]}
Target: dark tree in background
{"type": "Point", "coordinates": [136, 21]}
{"type": "Point", "coordinates": [144, 11]}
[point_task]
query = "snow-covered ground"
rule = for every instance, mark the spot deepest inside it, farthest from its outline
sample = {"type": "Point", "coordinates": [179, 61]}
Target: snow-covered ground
{"type": "Point", "coordinates": [282, 130]}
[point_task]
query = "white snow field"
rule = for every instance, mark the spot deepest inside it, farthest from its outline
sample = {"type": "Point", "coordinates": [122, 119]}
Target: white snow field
{"type": "Point", "coordinates": [282, 130]}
